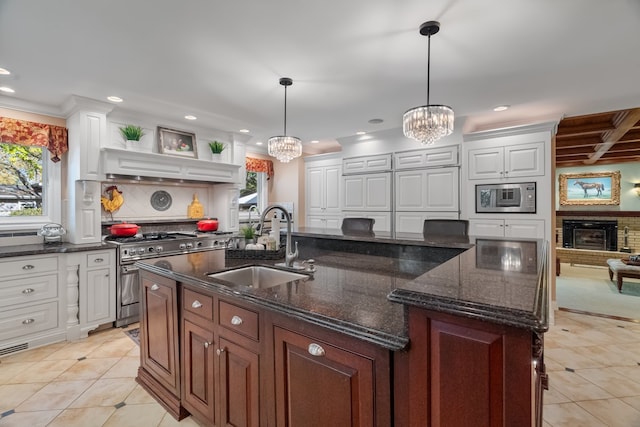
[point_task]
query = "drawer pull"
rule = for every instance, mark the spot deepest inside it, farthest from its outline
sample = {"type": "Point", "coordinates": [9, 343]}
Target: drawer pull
{"type": "Point", "coordinates": [196, 304]}
{"type": "Point", "coordinates": [219, 351]}
{"type": "Point", "coordinates": [236, 320]}
{"type": "Point", "coordinates": [316, 350]}
{"type": "Point", "coordinates": [98, 260]}
{"type": "Point", "coordinates": [28, 291]}
{"type": "Point", "coordinates": [155, 287]}
{"type": "Point", "coordinates": [28, 267]}
{"type": "Point", "coordinates": [28, 321]}
{"type": "Point", "coordinates": [207, 344]}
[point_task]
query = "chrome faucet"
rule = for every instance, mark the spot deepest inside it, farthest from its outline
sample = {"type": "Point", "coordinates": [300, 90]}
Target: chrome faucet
{"type": "Point", "coordinates": [253, 208]}
{"type": "Point", "coordinates": [290, 257]}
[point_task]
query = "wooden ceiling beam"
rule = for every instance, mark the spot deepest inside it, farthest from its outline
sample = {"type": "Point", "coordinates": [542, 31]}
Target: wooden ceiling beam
{"type": "Point", "coordinates": [584, 129]}
{"type": "Point", "coordinates": [625, 124]}
{"type": "Point", "coordinates": [585, 141]}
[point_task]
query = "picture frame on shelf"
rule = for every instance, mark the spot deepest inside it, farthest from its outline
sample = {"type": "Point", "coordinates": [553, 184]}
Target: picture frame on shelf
{"type": "Point", "coordinates": [590, 188]}
{"type": "Point", "coordinates": [177, 142]}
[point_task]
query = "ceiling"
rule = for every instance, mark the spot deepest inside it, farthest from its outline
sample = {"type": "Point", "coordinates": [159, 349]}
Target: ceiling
{"type": "Point", "coordinates": [351, 61]}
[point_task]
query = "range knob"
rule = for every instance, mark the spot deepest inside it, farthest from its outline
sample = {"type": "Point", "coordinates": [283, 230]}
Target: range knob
{"type": "Point", "coordinates": [141, 251]}
{"type": "Point", "coordinates": [182, 246]}
{"type": "Point", "coordinates": [189, 245]}
{"type": "Point", "coordinates": [158, 249]}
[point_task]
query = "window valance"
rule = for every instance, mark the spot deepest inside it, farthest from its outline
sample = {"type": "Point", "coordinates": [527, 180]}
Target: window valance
{"type": "Point", "coordinates": [22, 132]}
{"type": "Point", "coordinates": [258, 165]}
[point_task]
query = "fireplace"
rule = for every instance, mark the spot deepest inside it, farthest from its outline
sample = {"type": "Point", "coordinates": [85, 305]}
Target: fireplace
{"type": "Point", "coordinates": [585, 234]}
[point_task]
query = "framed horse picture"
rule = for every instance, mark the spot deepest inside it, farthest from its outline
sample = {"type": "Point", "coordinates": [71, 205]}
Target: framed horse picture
{"type": "Point", "coordinates": [590, 188]}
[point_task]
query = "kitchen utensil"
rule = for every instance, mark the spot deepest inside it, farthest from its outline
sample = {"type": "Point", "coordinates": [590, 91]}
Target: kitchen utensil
{"type": "Point", "coordinates": [124, 229]}
{"type": "Point", "coordinates": [52, 233]}
{"type": "Point", "coordinates": [208, 224]}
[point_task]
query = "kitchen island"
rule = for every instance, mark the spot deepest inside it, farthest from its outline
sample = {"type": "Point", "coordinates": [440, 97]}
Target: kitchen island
{"type": "Point", "coordinates": [386, 332]}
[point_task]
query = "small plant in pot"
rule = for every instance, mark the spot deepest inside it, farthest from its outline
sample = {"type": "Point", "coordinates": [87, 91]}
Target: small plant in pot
{"type": "Point", "coordinates": [131, 133]}
{"type": "Point", "coordinates": [216, 149]}
{"type": "Point", "coordinates": [249, 233]}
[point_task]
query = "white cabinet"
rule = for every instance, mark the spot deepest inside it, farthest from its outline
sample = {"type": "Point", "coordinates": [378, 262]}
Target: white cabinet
{"type": "Point", "coordinates": [323, 190]}
{"type": "Point", "coordinates": [30, 302]}
{"type": "Point", "coordinates": [327, 222]}
{"type": "Point", "coordinates": [511, 161]}
{"type": "Point", "coordinates": [413, 222]}
{"type": "Point", "coordinates": [426, 158]}
{"type": "Point", "coordinates": [427, 190]}
{"type": "Point", "coordinates": [520, 228]}
{"type": "Point", "coordinates": [97, 289]}
{"type": "Point", "coordinates": [366, 164]}
{"type": "Point", "coordinates": [367, 192]}
{"type": "Point", "coordinates": [382, 219]}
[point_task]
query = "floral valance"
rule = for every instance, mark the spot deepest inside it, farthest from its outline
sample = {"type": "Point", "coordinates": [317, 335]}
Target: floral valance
{"type": "Point", "coordinates": [22, 132]}
{"type": "Point", "coordinates": [258, 165]}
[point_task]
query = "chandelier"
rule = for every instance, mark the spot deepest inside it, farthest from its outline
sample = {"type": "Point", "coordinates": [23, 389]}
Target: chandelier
{"type": "Point", "coordinates": [428, 123]}
{"type": "Point", "coordinates": [285, 148]}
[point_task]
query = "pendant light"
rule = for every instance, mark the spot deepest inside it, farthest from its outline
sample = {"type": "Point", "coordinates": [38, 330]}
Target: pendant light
{"type": "Point", "coordinates": [428, 123]}
{"type": "Point", "coordinates": [285, 148]}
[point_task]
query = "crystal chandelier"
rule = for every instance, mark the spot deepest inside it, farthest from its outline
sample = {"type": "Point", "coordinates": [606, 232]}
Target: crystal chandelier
{"type": "Point", "coordinates": [428, 123]}
{"type": "Point", "coordinates": [285, 148]}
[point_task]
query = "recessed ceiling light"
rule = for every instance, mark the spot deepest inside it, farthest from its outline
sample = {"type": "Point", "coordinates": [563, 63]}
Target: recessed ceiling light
{"type": "Point", "coordinates": [114, 98]}
{"type": "Point", "coordinates": [190, 117]}
{"type": "Point", "coordinates": [4, 72]}
{"type": "Point", "coordinates": [258, 142]}
{"type": "Point", "coordinates": [244, 130]}
{"type": "Point", "coordinates": [361, 133]}
{"type": "Point", "coordinates": [6, 89]}
{"type": "Point", "coordinates": [501, 108]}
{"type": "Point", "coordinates": [376, 121]}
{"type": "Point", "coordinates": [315, 141]}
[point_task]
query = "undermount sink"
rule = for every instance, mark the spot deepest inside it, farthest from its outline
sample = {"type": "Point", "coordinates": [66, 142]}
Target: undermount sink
{"type": "Point", "coordinates": [258, 277]}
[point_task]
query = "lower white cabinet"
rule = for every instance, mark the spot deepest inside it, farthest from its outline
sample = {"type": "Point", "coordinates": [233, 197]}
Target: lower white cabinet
{"type": "Point", "coordinates": [521, 228]}
{"type": "Point", "coordinates": [382, 219]}
{"type": "Point", "coordinates": [97, 286]}
{"type": "Point", "coordinates": [413, 222]}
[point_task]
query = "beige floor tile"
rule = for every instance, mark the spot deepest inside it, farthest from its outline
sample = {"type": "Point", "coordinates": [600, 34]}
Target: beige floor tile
{"type": "Point", "coordinates": [169, 421]}
{"type": "Point", "coordinates": [34, 355]}
{"type": "Point", "coordinates": [10, 370]}
{"type": "Point", "coordinates": [554, 396]}
{"type": "Point", "coordinates": [12, 395]}
{"type": "Point", "coordinates": [551, 365]}
{"type": "Point", "coordinates": [632, 401]}
{"type": "Point", "coordinates": [569, 415]}
{"type": "Point", "coordinates": [74, 350]}
{"type": "Point", "coordinates": [571, 358]}
{"type": "Point", "coordinates": [148, 415]}
{"type": "Point", "coordinates": [127, 367]}
{"type": "Point", "coordinates": [105, 392]}
{"type": "Point", "coordinates": [55, 395]}
{"type": "Point", "coordinates": [114, 348]}
{"type": "Point", "coordinates": [612, 412]}
{"type": "Point", "coordinates": [576, 387]}
{"type": "Point", "coordinates": [83, 417]}
{"type": "Point", "coordinates": [88, 369]}
{"type": "Point", "coordinates": [611, 381]}
{"type": "Point", "coordinates": [134, 352]}
{"type": "Point", "coordinates": [29, 419]}
{"type": "Point", "coordinates": [612, 355]}
{"type": "Point", "coordinates": [631, 372]}
{"type": "Point", "coordinates": [46, 370]}
{"type": "Point", "coordinates": [138, 396]}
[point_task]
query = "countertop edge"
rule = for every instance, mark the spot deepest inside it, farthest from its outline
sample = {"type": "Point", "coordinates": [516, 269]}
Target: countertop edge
{"type": "Point", "coordinates": [50, 248]}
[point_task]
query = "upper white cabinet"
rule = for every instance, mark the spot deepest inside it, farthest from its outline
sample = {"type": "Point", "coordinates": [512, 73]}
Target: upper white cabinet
{"type": "Point", "coordinates": [507, 162]}
{"type": "Point", "coordinates": [367, 192]}
{"type": "Point", "coordinates": [427, 190]}
{"type": "Point", "coordinates": [323, 189]}
{"type": "Point", "coordinates": [426, 158]}
{"type": "Point", "coordinates": [366, 164]}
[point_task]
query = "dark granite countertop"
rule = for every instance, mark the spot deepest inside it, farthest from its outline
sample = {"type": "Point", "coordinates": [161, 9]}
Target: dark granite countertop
{"type": "Point", "coordinates": [50, 248]}
{"type": "Point", "coordinates": [360, 281]}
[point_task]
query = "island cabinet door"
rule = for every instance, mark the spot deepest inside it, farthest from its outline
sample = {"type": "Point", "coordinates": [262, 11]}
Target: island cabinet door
{"type": "Point", "coordinates": [320, 384]}
{"type": "Point", "coordinates": [468, 373]}
{"type": "Point", "coordinates": [198, 364]}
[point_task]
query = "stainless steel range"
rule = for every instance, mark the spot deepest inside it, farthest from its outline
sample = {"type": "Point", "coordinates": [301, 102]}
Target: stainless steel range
{"type": "Point", "coordinates": [152, 245]}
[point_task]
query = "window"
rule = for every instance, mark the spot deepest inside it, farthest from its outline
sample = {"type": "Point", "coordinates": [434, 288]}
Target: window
{"type": "Point", "coordinates": [29, 187]}
{"type": "Point", "coordinates": [253, 197]}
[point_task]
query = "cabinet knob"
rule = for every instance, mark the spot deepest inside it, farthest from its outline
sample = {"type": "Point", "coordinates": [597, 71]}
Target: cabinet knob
{"type": "Point", "coordinates": [28, 267]}
{"type": "Point", "coordinates": [219, 351]}
{"type": "Point", "coordinates": [236, 320]}
{"type": "Point", "coordinates": [207, 344]}
{"type": "Point", "coordinates": [196, 304]}
{"type": "Point", "coordinates": [155, 287]}
{"type": "Point", "coordinates": [28, 291]}
{"type": "Point", "coordinates": [315, 350]}
{"type": "Point", "coordinates": [98, 260]}
{"type": "Point", "coordinates": [28, 321]}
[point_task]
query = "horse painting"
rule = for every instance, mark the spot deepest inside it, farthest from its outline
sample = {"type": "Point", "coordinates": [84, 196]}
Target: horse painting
{"type": "Point", "coordinates": [598, 186]}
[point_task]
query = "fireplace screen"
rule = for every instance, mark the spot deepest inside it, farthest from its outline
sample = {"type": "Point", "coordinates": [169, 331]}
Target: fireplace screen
{"type": "Point", "coordinates": [594, 235]}
{"type": "Point", "coordinates": [589, 239]}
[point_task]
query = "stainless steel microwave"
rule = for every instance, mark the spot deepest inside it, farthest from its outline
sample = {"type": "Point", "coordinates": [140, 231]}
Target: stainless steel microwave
{"type": "Point", "coordinates": [506, 198]}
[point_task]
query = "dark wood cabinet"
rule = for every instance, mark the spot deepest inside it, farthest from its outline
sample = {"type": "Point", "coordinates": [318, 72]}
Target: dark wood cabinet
{"type": "Point", "coordinates": [464, 372]}
{"type": "Point", "coordinates": [159, 371]}
{"type": "Point", "coordinates": [322, 382]}
{"type": "Point", "coordinates": [239, 385]}
{"type": "Point", "coordinates": [199, 370]}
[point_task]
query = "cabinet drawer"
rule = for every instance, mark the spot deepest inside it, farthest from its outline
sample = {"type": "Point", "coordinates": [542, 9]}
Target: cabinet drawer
{"type": "Point", "coordinates": [98, 259]}
{"type": "Point", "coordinates": [197, 303]}
{"type": "Point", "coordinates": [29, 289]}
{"type": "Point", "coordinates": [28, 320]}
{"type": "Point", "coordinates": [28, 265]}
{"type": "Point", "coordinates": [240, 320]}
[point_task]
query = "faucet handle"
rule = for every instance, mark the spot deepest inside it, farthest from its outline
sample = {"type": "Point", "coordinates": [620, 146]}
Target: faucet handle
{"type": "Point", "coordinates": [310, 265]}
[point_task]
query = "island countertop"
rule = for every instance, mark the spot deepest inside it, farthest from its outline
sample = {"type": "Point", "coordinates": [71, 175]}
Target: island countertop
{"type": "Point", "coordinates": [363, 292]}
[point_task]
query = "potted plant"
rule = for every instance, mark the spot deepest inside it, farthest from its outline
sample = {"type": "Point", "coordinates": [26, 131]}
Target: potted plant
{"type": "Point", "coordinates": [131, 134]}
{"type": "Point", "coordinates": [248, 236]}
{"type": "Point", "coordinates": [216, 149]}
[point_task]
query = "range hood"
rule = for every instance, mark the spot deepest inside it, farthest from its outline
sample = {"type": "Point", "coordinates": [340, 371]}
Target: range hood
{"type": "Point", "coordinates": [117, 162]}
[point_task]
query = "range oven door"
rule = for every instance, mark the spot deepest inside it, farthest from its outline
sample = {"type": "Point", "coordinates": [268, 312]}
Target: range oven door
{"type": "Point", "coordinates": [128, 295]}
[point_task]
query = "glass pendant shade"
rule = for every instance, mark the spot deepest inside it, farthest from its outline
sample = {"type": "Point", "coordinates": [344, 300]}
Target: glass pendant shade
{"type": "Point", "coordinates": [428, 123]}
{"type": "Point", "coordinates": [284, 148]}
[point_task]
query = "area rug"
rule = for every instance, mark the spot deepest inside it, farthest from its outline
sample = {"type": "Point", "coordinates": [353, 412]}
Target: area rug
{"type": "Point", "coordinates": [589, 289]}
{"type": "Point", "coordinates": [134, 334]}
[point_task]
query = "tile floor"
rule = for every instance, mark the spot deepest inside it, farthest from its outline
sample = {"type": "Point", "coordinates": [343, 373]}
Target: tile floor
{"type": "Point", "coordinates": [593, 365]}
